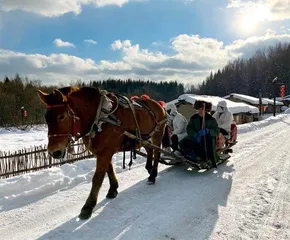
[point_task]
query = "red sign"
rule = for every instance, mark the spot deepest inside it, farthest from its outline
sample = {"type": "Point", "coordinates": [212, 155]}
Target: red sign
{"type": "Point", "coordinates": [282, 91]}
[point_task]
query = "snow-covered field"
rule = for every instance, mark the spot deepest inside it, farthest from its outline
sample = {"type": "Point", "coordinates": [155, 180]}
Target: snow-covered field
{"type": "Point", "coordinates": [246, 198]}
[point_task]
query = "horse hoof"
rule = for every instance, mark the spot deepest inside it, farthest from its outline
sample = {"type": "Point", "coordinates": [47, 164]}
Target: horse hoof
{"type": "Point", "coordinates": [112, 195]}
{"type": "Point", "coordinates": [85, 214]}
{"type": "Point", "coordinates": [150, 182]}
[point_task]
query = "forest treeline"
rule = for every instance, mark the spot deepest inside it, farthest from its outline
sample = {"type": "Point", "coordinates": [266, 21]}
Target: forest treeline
{"type": "Point", "coordinates": [17, 94]}
{"type": "Point", "coordinates": [249, 76]}
{"type": "Point", "coordinates": [245, 76]}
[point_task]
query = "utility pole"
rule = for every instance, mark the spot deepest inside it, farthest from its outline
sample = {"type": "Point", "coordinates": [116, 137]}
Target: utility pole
{"type": "Point", "coordinates": [274, 89]}
{"type": "Point", "coordinates": [260, 101]}
{"type": "Point", "coordinates": [282, 91]}
{"type": "Point", "coordinates": [22, 115]}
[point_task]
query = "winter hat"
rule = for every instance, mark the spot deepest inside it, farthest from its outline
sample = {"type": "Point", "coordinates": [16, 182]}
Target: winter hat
{"type": "Point", "coordinates": [200, 104]}
{"type": "Point", "coordinates": [222, 104]}
{"type": "Point", "coordinates": [171, 107]}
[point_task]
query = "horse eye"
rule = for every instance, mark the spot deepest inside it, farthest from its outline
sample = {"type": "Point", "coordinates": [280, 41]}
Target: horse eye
{"type": "Point", "coordinates": [61, 117]}
{"type": "Point", "coordinates": [48, 117]}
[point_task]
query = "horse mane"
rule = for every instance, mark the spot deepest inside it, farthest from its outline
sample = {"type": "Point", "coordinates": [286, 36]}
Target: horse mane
{"type": "Point", "coordinates": [66, 90]}
{"type": "Point", "coordinates": [90, 93]}
{"type": "Point", "coordinates": [53, 99]}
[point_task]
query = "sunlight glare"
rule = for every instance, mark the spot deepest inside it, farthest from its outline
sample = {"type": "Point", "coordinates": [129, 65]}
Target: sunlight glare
{"type": "Point", "coordinates": [253, 16]}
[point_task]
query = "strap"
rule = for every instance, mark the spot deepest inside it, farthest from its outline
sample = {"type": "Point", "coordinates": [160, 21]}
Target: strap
{"type": "Point", "coordinates": [135, 118]}
{"type": "Point", "coordinates": [124, 158]}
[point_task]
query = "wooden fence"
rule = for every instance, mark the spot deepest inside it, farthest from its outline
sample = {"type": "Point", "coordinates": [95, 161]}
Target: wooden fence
{"type": "Point", "coordinates": [35, 158]}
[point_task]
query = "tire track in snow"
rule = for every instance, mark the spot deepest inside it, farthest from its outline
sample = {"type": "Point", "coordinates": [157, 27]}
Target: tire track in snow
{"type": "Point", "coordinates": [275, 222]}
{"type": "Point", "coordinates": [261, 191]}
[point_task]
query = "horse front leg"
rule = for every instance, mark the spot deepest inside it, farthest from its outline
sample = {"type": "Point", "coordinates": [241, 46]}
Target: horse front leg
{"type": "Point", "coordinates": [103, 162]}
{"type": "Point", "coordinates": [148, 165]}
{"type": "Point", "coordinates": [112, 193]}
{"type": "Point", "coordinates": [156, 140]}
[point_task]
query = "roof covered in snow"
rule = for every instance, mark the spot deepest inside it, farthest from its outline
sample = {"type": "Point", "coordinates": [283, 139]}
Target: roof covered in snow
{"type": "Point", "coordinates": [286, 98]}
{"type": "Point", "coordinates": [271, 101]}
{"type": "Point", "coordinates": [249, 99]}
{"type": "Point", "coordinates": [234, 107]}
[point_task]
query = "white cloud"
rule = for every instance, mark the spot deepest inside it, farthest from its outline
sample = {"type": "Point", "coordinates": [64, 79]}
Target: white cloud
{"type": "Point", "coordinates": [54, 8]}
{"type": "Point", "coordinates": [117, 45]}
{"type": "Point", "coordinates": [59, 43]}
{"type": "Point", "coordinates": [191, 60]}
{"type": "Point", "coordinates": [246, 48]}
{"type": "Point", "coordinates": [90, 41]}
{"type": "Point", "coordinates": [278, 9]}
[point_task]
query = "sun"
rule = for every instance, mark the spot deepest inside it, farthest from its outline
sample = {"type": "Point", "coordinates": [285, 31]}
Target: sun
{"type": "Point", "coordinates": [252, 17]}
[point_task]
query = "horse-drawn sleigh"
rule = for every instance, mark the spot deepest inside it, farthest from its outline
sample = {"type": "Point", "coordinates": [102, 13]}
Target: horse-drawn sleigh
{"type": "Point", "coordinates": [107, 123]}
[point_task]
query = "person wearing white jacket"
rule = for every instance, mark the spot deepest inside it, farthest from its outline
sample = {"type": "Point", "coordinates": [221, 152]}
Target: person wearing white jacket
{"type": "Point", "coordinates": [224, 118]}
{"type": "Point", "coordinates": [177, 124]}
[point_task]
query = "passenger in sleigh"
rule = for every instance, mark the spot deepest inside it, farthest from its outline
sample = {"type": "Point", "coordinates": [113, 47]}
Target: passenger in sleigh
{"type": "Point", "coordinates": [175, 129]}
{"type": "Point", "coordinates": [224, 119]}
{"type": "Point", "coordinates": [202, 131]}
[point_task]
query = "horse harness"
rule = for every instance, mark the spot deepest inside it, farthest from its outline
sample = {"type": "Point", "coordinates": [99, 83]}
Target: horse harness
{"type": "Point", "coordinates": [105, 114]}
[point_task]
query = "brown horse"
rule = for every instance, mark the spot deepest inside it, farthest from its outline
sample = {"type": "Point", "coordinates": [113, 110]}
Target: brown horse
{"type": "Point", "coordinates": [101, 119]}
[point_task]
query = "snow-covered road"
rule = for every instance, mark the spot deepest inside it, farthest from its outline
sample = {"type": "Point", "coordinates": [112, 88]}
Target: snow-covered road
{"type": "Point", "coordinates": [246, 198]}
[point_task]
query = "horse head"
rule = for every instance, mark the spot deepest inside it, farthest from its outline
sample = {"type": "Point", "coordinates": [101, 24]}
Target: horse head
{"type": "Point", "coordinates": [59, 120]}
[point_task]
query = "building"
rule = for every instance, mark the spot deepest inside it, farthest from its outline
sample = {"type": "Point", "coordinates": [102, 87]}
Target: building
{"type": "Point", "coordinates": [285, 100]}
{"type": "Point", "coordinates": [270, 107]}
{"type": "Point", "coordinates": [235, 97]}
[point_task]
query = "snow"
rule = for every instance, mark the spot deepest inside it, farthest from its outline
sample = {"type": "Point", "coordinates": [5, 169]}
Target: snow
{"type": "Point", "coordinates": [234, 107]}
{"type": "Point", "coordinates": [271, 102]}
{"type": "Point", "coordinates": [12, 139]}
{"type": "Point", "coordinates": [246, 98]}
{"type": "Point", "coordinates": [287, 97]}
{"type": "Point", "coordinates": [246, 198]}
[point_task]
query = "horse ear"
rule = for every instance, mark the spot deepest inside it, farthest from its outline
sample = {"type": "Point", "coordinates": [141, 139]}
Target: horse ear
{"type": "Point", "coordinates": [43, 96]}
{"type": "Point", "coordinates": [59, 96]}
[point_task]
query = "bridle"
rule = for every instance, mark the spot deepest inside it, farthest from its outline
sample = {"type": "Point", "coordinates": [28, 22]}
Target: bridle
{"type": "Point", "coordinates": [73, 133]}
{"type": "Point", "coordinates": [102, 114]}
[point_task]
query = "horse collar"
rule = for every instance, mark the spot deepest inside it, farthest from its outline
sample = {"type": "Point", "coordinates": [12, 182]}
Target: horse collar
{"type": "Point", "coordinates": [104, 111]}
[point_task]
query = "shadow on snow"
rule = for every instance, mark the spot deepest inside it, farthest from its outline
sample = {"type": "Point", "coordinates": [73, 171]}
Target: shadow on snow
{"type": "Point", "coordinates": [182, 205]}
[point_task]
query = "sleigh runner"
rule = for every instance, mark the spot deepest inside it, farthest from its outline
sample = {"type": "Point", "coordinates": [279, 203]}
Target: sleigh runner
{"type": "Point", "coordinates": [224, 144]}
{"type": "Point", "coordinates": [224, 147]}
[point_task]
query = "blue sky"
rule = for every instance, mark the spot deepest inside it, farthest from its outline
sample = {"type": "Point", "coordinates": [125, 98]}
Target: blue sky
{"type": "Point", "coordinates": [184, 40]}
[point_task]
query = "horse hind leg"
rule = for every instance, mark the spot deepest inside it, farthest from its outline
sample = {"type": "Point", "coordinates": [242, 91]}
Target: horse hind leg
{"type": "Point", "coordinates": [102, 167]}
{"type": "Point", "coordinates": [112, 193]}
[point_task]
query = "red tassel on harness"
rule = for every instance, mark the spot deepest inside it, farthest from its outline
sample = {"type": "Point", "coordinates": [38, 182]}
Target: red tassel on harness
{"type": "Point", "coordinates": [74, 127]}
{"type": "Point", "coordinates": [162, 103]}
{"type": "Point", "coordinates": [145, 96]}
{"type": "Point", "coordinates": [134, 98]}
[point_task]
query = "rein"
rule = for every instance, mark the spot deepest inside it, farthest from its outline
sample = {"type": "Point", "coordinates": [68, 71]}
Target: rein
{"type": "Point", "coordinates": [203, 127]}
